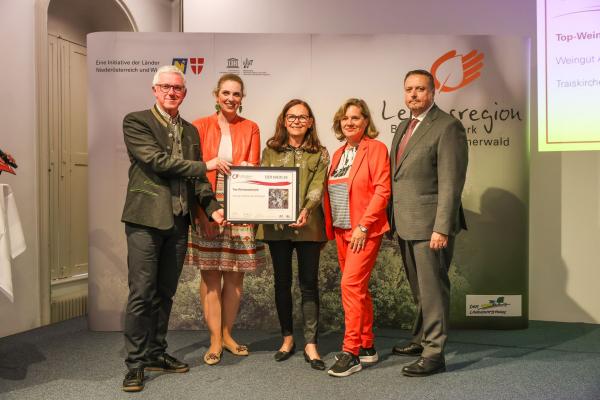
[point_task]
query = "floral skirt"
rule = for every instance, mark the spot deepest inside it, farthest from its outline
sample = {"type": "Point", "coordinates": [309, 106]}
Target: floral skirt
{"type": "Point", "coordinates": [230, 248]}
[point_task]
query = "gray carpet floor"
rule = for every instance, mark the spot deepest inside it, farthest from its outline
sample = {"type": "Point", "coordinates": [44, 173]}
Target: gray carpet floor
{"type": "Point", "coordinates": [547, 361]}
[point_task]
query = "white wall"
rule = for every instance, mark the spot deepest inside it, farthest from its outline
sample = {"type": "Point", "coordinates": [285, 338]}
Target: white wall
{"type": "Point", "coordinates": [564, 188]}
{"type": "Point", "coordinates": [73, 19]}
{"type": "Point", "coordinates": [151, 15]}
{"type": "Point", "coordinates": [18, 136]}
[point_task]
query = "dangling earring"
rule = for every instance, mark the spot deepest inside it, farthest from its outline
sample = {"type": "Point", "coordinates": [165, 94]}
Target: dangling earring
{"type": "Point", "coordinates": [240, 108]}
{"type": "Point", "coordinates": [217, 107]}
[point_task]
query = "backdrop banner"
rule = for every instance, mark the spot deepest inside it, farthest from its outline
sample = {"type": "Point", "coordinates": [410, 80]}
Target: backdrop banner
{"type": "Point", "coordinates": [481, 80]}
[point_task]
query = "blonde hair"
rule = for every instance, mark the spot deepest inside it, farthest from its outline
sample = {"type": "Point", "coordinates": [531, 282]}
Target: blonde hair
{"type": "Point", "coordinates": [371, 131]}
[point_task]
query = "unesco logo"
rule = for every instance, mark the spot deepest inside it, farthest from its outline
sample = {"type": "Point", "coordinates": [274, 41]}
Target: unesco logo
{"type": "Point", "coordinates": [234, 63]}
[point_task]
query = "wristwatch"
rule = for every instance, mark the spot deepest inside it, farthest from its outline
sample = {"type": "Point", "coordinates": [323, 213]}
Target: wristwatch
{"type": "Point", "coordinates": [363, 229]}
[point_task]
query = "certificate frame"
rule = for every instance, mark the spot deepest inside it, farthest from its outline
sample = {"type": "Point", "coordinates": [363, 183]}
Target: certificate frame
{"type": "Point", "coordinates": [262, 195]}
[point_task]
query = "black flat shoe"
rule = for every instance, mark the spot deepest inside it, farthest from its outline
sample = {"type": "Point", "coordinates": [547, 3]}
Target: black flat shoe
{"type": "Point", "coordinates": [284, 355]}
{"type": "Point", "coordinates": [315, 363]}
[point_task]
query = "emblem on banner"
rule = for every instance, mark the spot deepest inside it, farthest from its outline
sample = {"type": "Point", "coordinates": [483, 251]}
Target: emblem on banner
{"type": "Point", "coordinates": [247, 62]}
{"type": "Point", "coordinates": [453, 71]}
{"type": "Point", "coordinates": [496, 306]}
{"type": "Point", "coordinates": [181, 63]}
{"type": "Point", "coordinates": [233, 62]}
{"type": "Point", "coordinates": [197, 63]}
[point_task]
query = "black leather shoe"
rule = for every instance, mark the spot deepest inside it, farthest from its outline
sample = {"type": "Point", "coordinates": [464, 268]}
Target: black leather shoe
{"type": "Point", "coordinates": [166, 363]}
{"type": "Point", "coordinates": [425, 367]}
{"type": "Point", "coordinates": [284, 355]}
{"type": "Point", "coordinates": [411, 349]}
{"type": "Point", "coordinates": [134, 380]}
{"type": "Point", "coordinates": [315, 363]}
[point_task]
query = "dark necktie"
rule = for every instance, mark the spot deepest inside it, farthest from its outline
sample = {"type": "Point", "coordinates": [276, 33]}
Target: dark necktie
{"type": "Point", "coordinates": [405, 139]}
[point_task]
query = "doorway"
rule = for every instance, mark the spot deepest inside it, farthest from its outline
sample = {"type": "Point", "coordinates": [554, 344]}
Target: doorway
{"type": "Point", "coordinates": [64, 149]}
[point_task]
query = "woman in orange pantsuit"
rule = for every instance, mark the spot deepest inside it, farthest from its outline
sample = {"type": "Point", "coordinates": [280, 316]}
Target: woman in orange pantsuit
{"type": "Point", "coordinates": [358, 190]}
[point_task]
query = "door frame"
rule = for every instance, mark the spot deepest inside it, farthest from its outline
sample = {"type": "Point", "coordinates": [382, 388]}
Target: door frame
{"type": "Point", "coordinates": [42, 150]}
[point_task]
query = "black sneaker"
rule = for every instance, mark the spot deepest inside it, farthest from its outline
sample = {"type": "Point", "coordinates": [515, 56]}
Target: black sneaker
{"type": "Point", "coordinates": [167, 363]}
{"type": "Point", "coordinates": [346, 364]}
{"type": "Point", "coordinates": [368, 356]}
{"type": "Point", "coordinates": [134, 380]}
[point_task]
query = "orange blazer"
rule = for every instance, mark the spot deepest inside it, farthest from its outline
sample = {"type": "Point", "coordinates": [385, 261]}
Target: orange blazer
{"type": "Point", "coordinates": [368, 190]}
{"type": "Point", "coordinates": [245, 141]}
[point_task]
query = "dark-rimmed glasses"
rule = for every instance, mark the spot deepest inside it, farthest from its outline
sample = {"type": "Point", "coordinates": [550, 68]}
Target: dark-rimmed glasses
{"type": "Point", "coordinates": [165, 88]}
{"type": "Point", "coordinates": [291, 118]}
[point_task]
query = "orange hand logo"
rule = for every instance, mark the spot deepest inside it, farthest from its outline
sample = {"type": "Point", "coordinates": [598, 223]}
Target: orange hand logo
{"type": "Point", "coordinates": [453, 71]}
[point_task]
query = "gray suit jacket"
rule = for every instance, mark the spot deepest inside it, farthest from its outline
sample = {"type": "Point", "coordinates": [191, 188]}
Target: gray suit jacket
{"type": "Point", "coordinates": [149, 147]}
{"type": "Point", "coordinates": [428, 180]}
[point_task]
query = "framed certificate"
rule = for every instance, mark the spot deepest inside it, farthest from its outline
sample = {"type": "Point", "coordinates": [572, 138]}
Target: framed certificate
{"type": "Point", "coordinates": [262, 195]}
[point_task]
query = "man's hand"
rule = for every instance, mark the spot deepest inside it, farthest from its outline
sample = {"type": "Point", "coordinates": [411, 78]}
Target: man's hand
{"type": "Point", "coordinates": [438, 241]}
{"type": "Point", "coordinates": [219, 217]}
{"type": "Point", "coordinates": [219, 164]}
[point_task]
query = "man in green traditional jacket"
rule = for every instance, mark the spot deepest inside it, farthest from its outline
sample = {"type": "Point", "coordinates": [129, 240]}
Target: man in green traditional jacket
{"type": "Point", "coordinates": [166, 178]}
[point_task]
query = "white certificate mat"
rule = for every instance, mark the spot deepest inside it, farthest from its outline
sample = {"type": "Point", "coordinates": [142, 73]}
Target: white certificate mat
{"type": "Point", "coordinates": [265, 195]}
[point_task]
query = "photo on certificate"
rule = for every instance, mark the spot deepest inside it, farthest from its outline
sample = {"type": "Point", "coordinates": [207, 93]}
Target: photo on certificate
{"type": "Point", "coordinates": [262, 195]}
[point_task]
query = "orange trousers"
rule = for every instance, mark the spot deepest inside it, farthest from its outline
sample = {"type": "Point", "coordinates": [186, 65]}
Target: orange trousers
{"type": "Point", "coordinates": [356, 299]}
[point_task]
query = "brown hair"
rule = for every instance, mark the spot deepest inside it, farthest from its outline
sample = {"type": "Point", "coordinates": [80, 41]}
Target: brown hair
{"type": "Point", "coordinates": [279, 140]}
{"type": "Point", "coordinates": [370, 131]}
{"type": "Point", "coordinates": [424, 73]}
{"type": "Point", "coordinates": [229, 77]}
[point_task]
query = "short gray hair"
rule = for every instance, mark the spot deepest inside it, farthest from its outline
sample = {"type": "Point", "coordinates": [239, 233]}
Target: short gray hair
{"type": "Point", "coordinates": [167, 69]}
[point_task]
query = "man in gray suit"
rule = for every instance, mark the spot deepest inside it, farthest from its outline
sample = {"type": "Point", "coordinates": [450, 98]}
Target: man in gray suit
{"type": "Point", "coordinates": [167, 179]}
{"type": "Point", "coordinates": [429, 158]}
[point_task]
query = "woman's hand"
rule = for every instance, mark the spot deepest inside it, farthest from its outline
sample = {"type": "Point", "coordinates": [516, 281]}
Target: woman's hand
{"type": "Point", "coordinates": [302, 219]}
{"type": "Point", "coordinates": [246, 164]}
{"type": "Point", "coordinates": [209, 229]}
{"type": "Point", "coordinates": [219, 164]}
{"type": "Point", "coordinates": [358, 240]}
{"type": "Point", "coordinates": [219, 217]}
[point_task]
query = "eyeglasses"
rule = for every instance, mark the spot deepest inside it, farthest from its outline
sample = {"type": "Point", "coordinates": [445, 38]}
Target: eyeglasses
{"type": "Point", "coordinates": [290, 118]}
{"type": "Point", "coordinates": [165, 88]}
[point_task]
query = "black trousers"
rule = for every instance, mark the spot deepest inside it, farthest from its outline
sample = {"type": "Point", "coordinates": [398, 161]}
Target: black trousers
{"type": "Point", "coordinates": [154, 261]}
{"type": "Point", "coordinates": [308, 254]}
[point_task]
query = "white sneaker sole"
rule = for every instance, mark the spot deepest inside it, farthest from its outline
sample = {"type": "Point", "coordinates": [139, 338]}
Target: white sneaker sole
{"type": "Point", "coordinates": [348, 372]}
{"type": "Point", "coordinates": [369, 359]}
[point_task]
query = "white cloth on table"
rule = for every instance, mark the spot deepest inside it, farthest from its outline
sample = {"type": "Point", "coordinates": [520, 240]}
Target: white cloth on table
{"type": "Point", "coordinates": [12, 241]}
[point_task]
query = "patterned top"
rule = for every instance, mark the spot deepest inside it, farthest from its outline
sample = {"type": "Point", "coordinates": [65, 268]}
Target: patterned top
{"type": "Point", "coordinates": [338, 190]}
